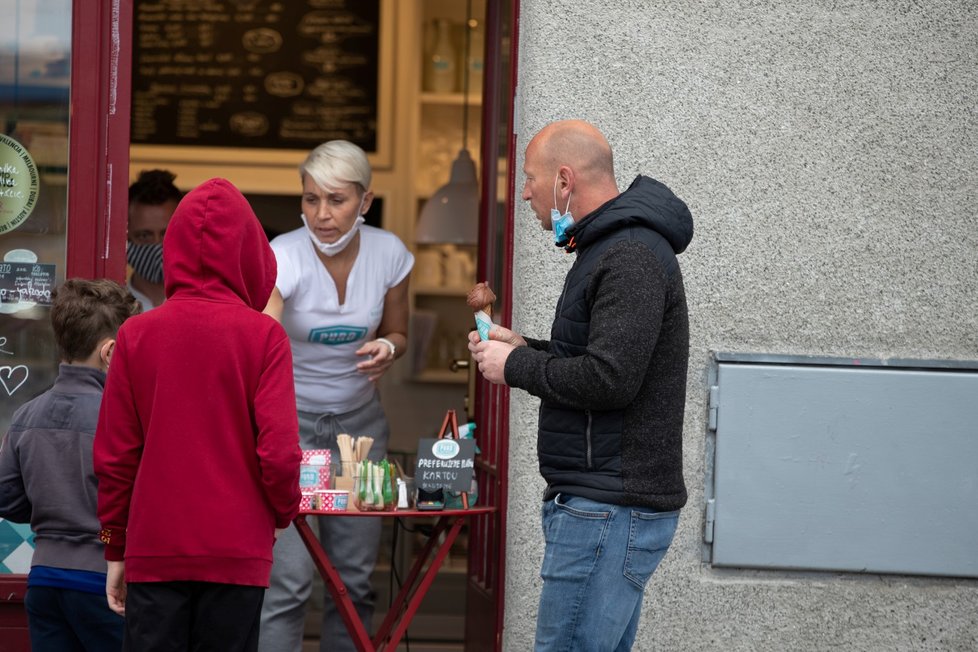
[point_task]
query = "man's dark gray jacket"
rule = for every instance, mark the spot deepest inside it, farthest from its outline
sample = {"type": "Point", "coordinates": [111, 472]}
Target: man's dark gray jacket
{"type": "Point", "coordinates": [612, 377]}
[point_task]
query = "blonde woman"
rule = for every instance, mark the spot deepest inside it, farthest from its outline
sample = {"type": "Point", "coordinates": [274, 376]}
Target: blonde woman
{"type": "Point", "coordinates": [342, 296]}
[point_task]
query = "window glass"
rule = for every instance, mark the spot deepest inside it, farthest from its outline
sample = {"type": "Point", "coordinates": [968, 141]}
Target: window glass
{"type": "Point", "coordinates": [35, 60]}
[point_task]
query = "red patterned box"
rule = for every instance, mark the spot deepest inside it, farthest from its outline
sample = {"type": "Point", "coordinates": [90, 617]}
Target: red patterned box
{"type": "Point", "coordinates": [306, 502]}
{"type": "Point", "coordinates": [314, 471]}
{"type": "Point", "coordinates": [332, 500]}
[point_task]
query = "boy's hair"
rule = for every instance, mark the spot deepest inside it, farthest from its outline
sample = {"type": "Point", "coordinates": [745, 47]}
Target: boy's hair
{"type": "Point", "coordinates": [85, 311]}
{"type": "Point", "coordinates": [154, 187]}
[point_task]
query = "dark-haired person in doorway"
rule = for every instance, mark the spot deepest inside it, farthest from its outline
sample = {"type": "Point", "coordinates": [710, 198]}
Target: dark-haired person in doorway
{"type": "Point", "coordinates": [152, 200]}
{"type": "Point", "coordinates": [611, 381]}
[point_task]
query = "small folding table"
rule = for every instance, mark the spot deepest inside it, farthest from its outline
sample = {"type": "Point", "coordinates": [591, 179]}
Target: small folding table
{"type": "Point", "coordinates": [416, 584]}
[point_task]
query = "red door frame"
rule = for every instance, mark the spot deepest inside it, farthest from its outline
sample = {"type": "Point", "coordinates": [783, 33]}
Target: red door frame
{"type": "Point", "coordinates": [98, 179]}
{"type": "Point", "coordinates": [485, 593]}
{"type": "Point", "coordinates": [98, 152]}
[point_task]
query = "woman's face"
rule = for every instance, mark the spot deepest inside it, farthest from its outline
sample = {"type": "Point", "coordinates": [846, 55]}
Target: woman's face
{"type": "Point", "coordinates": [332, 212]}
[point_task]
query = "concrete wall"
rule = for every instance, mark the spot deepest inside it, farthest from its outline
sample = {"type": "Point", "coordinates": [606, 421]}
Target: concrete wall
{"type": "Point", "coordinates": [829, 154]}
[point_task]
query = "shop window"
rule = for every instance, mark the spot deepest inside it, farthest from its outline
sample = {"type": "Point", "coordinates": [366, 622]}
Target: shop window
{"type": "Point", "coordinates": [35, 68]}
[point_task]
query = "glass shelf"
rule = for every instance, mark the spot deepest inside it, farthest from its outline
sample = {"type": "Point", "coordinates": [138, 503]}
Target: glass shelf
{"type": "Point", "coordinates": [450, 99]}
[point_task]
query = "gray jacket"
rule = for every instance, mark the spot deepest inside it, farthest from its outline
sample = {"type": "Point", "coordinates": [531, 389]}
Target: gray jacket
{"type": "Point", "coordinates": [46, 474]}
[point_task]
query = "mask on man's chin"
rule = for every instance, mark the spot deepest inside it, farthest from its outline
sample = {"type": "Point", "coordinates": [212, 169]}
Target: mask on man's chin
{"type": "Point", "coordinates": [146, 260]}
{"type": "Point", "coordinates": [560, 222]}
{"type": "Point", "coordinates": [560, 225]}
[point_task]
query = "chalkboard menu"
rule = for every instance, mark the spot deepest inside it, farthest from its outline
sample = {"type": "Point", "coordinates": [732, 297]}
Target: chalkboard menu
{"type": "Point", "coordinates": [276, 74]}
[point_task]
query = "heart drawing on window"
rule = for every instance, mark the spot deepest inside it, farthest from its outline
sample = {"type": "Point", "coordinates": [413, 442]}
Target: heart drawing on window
{"type": "Point", "coordinates": [13, 377]}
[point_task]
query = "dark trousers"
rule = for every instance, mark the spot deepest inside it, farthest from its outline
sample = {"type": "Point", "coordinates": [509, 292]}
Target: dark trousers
{"type": "Point", "coordinates": [192, 616]}
{"type": "Point", "coordinates": [63, 620]}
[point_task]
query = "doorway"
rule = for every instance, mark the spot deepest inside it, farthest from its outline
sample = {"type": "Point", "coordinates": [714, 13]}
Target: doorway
{"type": "Point", "coordinates": [245, 93]}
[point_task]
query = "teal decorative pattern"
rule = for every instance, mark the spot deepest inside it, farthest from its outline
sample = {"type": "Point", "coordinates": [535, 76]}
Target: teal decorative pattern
{"type": "Point", "coordinates": [16, 547]}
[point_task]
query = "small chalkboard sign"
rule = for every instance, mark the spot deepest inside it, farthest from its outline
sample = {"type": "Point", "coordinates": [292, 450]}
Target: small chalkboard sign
{"type": "Point", "coordinates": [445, 464]}
{"type": "Point", "coordinates": [32, 283]}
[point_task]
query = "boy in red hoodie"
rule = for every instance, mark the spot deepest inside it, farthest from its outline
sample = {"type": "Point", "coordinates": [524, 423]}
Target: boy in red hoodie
{"type": "Point", "coordinates": [197, 449]}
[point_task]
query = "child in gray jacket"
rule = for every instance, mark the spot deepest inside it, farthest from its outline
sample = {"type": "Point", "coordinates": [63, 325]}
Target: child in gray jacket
{"type": "Point", "coordinates": [46, 475]}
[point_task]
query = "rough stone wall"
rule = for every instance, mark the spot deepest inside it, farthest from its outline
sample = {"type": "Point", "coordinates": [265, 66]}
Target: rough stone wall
{"type": "Point", "coordinates": [829, 154]}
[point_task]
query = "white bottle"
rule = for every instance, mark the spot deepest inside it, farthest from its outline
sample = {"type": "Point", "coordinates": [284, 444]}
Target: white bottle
{"type": "Point", "coordinates": [475, 63]}
{"type": "Point", "coordinates": [440, 66]}
{"type": "Point", "coordinates": [402, 501]}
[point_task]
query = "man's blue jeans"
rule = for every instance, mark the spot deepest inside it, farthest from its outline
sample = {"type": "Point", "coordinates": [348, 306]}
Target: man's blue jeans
{"type": "Point", "coordinates": [597, 561]}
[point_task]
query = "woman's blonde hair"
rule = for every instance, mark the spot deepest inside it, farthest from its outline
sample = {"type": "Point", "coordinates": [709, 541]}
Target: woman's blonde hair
{"type": "Point", "coordinates": [335, 163]}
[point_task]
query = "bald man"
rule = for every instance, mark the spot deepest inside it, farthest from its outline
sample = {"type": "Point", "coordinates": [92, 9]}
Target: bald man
{"type": "Point", "coordinates": [612, 386]}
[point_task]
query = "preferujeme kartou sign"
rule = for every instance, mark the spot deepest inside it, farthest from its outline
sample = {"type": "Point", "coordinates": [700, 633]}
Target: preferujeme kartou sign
{"type": "Point", "coordinates": [445, 464]}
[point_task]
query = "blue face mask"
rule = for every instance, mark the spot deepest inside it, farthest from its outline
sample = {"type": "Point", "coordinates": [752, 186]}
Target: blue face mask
{"type": "Point", "coordinates": [561, 222]}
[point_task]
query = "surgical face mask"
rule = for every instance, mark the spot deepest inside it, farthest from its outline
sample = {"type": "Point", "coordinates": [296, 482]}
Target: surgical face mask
{"type": "Point", "coordinates": [146, 260]}
{"type": "Point", "coordinates": [333, 248]}
{"type": "Point", "coordinates": [561, 222]}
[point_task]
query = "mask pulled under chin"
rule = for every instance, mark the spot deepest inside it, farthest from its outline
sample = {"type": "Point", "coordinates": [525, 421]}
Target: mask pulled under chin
{"type": "Point", "coordinates": [146, 260]}
{"type": "Point", "coordinates": [560, 225]}
{"type": "Point", "coordinates": [333, 248]}
{"type": "Point", "coordinates": [560, 222]}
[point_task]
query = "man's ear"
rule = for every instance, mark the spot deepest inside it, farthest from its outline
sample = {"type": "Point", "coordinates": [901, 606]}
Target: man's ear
{"type": "Point", "coordinates": [565, 181]}
{"type": "Point", "coordinates": [105, 350]}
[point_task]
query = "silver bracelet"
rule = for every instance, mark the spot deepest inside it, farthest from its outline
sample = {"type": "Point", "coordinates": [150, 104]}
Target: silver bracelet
{"type": "Point", "coordinates": [390, 344]}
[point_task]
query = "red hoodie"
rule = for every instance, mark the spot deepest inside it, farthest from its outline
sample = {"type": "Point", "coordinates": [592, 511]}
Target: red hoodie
{"type": "Point", "coordinates": [197, 448]}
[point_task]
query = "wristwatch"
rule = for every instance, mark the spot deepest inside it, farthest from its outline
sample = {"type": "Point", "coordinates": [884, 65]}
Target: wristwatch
{"type": "Point", "coordinates": [390, 344]}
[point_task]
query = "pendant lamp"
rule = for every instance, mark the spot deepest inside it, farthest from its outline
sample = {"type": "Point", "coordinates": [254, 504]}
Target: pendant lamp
{"type": "Point", "coordinates": [451, 215]}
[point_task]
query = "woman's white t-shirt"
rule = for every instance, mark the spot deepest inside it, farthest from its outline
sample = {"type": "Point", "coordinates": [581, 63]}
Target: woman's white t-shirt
{"type": "Point", "coordinates": [324, 334]}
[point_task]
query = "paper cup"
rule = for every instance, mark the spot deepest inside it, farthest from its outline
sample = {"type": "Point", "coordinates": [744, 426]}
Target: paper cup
{"type": "Point", "coordinates": [336, 500]}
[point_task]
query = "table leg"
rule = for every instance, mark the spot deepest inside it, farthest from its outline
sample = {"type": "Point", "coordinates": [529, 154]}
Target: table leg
{"type": "Point", "coordinates": [417, 583]}
{"type": "Point", "coordinates": [334, 583]}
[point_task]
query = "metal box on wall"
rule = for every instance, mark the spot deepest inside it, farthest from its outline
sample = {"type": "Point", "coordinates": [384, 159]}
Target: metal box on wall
{"type": "Point", "coordinates": [843, 465]}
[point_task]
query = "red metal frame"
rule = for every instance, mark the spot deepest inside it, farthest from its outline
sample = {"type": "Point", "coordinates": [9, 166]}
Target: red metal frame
{"type": "Point", "coordinates": [14, 636]}
{"type": "Point", "coordinates": [98, 153]}
{"type": "Point", "coordinates": [485, 596]}
{"type": "Point", "coordinates": [415, 586]}
{"type": "Point", "coordinates": [98, 161]}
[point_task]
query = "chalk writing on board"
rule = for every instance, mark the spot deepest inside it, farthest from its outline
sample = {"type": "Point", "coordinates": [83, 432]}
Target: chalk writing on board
{"type": "Point", "coordinates": [262, 73]}
{"type": "Point", "coordinates": [12, 377]}
{"type": "Point", "coordinates": [27, 283]}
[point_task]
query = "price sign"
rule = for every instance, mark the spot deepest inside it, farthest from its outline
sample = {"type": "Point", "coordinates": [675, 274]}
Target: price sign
{"type": "Point", "coordinates": [30, 283]}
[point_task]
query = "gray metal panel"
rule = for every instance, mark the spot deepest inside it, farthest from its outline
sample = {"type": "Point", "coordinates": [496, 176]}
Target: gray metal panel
{"type": "Point", "coordinates": [836, 468]}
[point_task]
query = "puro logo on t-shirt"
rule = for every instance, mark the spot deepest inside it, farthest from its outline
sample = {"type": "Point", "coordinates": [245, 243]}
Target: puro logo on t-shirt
{"type": "Point", "coordinates": [336, 335]}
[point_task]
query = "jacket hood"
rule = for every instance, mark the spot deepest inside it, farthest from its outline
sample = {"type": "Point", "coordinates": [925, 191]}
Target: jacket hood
{"type": "Point", "coordinates": [215, 248]}
{"type": "Point", "coordinates": [647, 203]}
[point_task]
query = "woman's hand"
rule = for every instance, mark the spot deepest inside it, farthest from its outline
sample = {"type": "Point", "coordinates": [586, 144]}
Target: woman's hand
{"type": "Point", "coordinates": [381, 359]}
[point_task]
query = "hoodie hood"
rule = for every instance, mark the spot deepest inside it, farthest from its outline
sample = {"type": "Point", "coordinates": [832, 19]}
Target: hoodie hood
{"type": "Point", "coordinates": [647, 203]}
{"type": "Point", "coordinates": [216, 249]}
